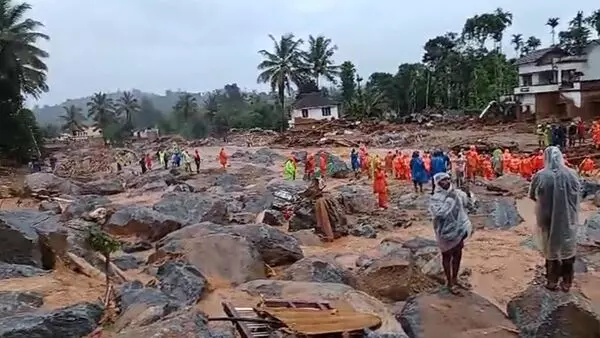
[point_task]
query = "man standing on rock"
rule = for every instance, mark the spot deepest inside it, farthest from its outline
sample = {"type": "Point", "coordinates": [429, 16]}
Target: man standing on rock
{"type": "Point", "coordinates": [555, 189]}
{"type": "Point", "coordinates": [451, 225]}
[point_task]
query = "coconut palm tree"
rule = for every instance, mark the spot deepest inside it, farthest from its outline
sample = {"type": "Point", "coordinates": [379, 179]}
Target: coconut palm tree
{"type": "Point", "coordinates": [517, 41]}
{"type": "Point", "coordinates": [101, 110]}
{"type": "Point", "coordinates": [128, 105]}
{"type": "Point", "coordinates": [22, 67]}
{"type": "Point", "coordinates": [533, 43]}
{"type": "Point", "coordinates": [553, 23]}
{"type": "Point", "coordinates": [282, 67]}
{"type": "Point", "coordinates": [594, 21]}
{"type": "Point", "coordinates": [72, 119]}
{"type": "Point", "coordinates": [318, 58]}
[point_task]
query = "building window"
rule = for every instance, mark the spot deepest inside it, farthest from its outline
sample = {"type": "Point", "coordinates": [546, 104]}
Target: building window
{"type": "Point", "coordinates": [527, 80]}
{"type": "Point", "coordinates": [326, 111]}
{"type": "Point", "coordinates": [305, 113]}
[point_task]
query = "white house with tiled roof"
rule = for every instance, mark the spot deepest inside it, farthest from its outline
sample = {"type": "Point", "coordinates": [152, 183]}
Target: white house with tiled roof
{"type": "Point", "coordinates": [553, 83]}
{"type": "Point", "coordinates": [313, 106]}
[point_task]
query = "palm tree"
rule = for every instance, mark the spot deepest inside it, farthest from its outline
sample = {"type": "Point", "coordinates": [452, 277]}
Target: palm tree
{"type": "Point", "coordinates": [533, 43]}
{"type": "Point", "coordinates": [594, 21]}
{"type": "Point", "coordinates": [22, 68]}
{"type": "Point", "coordinates": [129, 105]}
{"type": "Point", "coordinates": [553, 23]}
{"type": "Point", "coordinates": [282, 67]}
{"type": "Point", "coordinates": [517, 41]}
{"type": "Point", "coordinates": [72, 119]}
{"type": "Point", "coordinates": [101, 110]}
{"type": "Point", "coordinates": [319, 59]}
{"type": "Point", "coordinates": [186, 106]}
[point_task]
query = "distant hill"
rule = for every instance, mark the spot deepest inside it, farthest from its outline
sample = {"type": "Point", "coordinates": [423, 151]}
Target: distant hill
{"type": "Point", "coordinates": [164, 103]}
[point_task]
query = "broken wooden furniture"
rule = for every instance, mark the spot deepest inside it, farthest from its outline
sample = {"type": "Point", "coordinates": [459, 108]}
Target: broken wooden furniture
{"type": "Point", "coordinates": [302, 318]}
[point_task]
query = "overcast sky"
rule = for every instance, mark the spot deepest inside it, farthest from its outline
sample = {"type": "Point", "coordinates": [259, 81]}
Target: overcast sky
{"type": "Point", "coordinates": [200, 45]}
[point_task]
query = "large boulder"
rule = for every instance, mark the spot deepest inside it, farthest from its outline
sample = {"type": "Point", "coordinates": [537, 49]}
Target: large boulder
{"type": "Point", "coordinates": [151, 176]}
{"type": "Point", "coordinates": [442, 314]}
{"type": "Point", "coordinates": [500, 213]}
{"type": "Point", "coordinates": [141, 305]}
{"type": "Point", "coordinates": [84, 204]}
{"type": "Point", "coordinates": [127, 262]}
{"type": "Point", "coordinates": [336, 167]}
{"type": "Point", "coordinates": [589, 187]}
{"type": "Point", "coordinates": [103, 187]}
{"type": "Point", "coordinates": [275, 247]}
{"type": "Point", "coordinates": [509, 184]}
{"type": "Point", "coordinates": [51, 206]}
{"type": "Point", "coordinates": [539, 312]}
{"type": "Point", "coordinates": [182, 281]}
{"type": "Point", "coordinates": [319, 270]}
{"type": "Point", "coordinates": [141, 222]}
{"type": "Point", "coordinates": [74, 321]}
{"type": "Point", "coordinates": [356, 199]}
{"type": "Point", "coordinates": [394, 278]}
{"type": "Point", "coordinates": [589, 233]}
{"type": "Point", "coordinates": [50, 184]}
{"type": "Point", "coordinates": [190, 207]}
{"type": "Point", "coordinates": [219, 256]}
{"type": "Point", "coordinates": [341, 296]}
{"type": "Point", "coordinates": [19, 302]}
{"type": "Point", "coordinates": [31, 237]}
{"type": "Point", "coordinates": [19, 271]}
{"type": "Point", "coordinates": [186, 324]}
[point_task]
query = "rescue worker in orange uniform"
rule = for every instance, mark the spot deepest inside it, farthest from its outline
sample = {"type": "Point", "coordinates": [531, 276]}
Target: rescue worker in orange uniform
{"type": "Point", "coordinates": [223, 158]}
{"type": "Point", "coordinates": [323, 164]}
{"type": "Point", "coordinates": [389, 162]}
{"type": "Point", "coordinates": [537, 162]}
{"type": "Point", "coordinates": [506, 161]}
{"type": "Point", "coordinates": [397, 165]}
{"type": "Point", "coordinates": [587, 166]}
{"type": "Point", "coordinates": [472, 162]}
{"type": "Point", "coordinates": [526, 168]}
{"type": "Point", "coordinates": [488, 169]}
{"type": "Point", "coordinates": [515, 165]}
{"type": "Point", "coordinates": [309, 167]}
{"type": "Point", "coordinates": [380, 186]}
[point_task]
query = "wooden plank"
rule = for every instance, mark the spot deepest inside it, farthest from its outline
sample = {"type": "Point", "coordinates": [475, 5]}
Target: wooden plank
{"type": "Point", "coordinates": [309, 321]}
{"type": "Point", "coordinates": [285, 303]}
{"type": "Point", "coordinates": [242, 328]}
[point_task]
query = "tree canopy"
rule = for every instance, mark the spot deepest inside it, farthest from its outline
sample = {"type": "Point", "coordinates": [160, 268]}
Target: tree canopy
{"type": "Point", "coordinates": [22, 74]}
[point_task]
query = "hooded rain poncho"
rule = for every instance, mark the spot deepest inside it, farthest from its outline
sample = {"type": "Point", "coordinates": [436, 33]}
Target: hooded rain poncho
{"type": "Point", "coordinates": [289, 171]}
{"type": "Point", "coordinates": [450, 221]}
{"type": "Point", "coordinates": [556, 192]}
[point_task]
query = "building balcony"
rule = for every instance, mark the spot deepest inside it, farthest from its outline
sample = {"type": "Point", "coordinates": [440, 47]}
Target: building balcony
{"type": "Point", "coordinates": [535, 89]}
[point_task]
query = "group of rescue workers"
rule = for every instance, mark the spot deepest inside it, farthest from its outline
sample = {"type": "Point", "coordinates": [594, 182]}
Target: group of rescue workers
{"type": "Point", "coordinates": [421, 168]}
{"type": "Point", "coordinates": [175, 159]}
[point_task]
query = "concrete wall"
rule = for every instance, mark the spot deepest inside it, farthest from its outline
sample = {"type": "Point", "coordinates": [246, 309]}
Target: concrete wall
{"type": "Point", "coordinates": [316, 113]}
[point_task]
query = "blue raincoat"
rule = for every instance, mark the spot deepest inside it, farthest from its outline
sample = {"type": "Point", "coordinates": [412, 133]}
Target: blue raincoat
{"type": "Point", "coordinates": [417, 169]}
{"type": "Point", "coordinates": [438, 164]}
{"type": "Point", "coordinates": [354, 160]}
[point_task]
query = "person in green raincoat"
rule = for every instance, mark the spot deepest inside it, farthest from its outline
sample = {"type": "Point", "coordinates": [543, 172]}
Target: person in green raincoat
{"type": "Point", "coordinates": [548, 135]}
{"type": "Point", "coordinates": [289, 170]}
{"type": "Point", "coordinates": [497, 161]}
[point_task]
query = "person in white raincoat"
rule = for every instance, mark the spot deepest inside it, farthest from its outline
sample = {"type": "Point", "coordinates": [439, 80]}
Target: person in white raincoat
{"type": "Point", "coordinates": [451, 225]}
{"type": "Point", "coordinates": [555, 189]}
